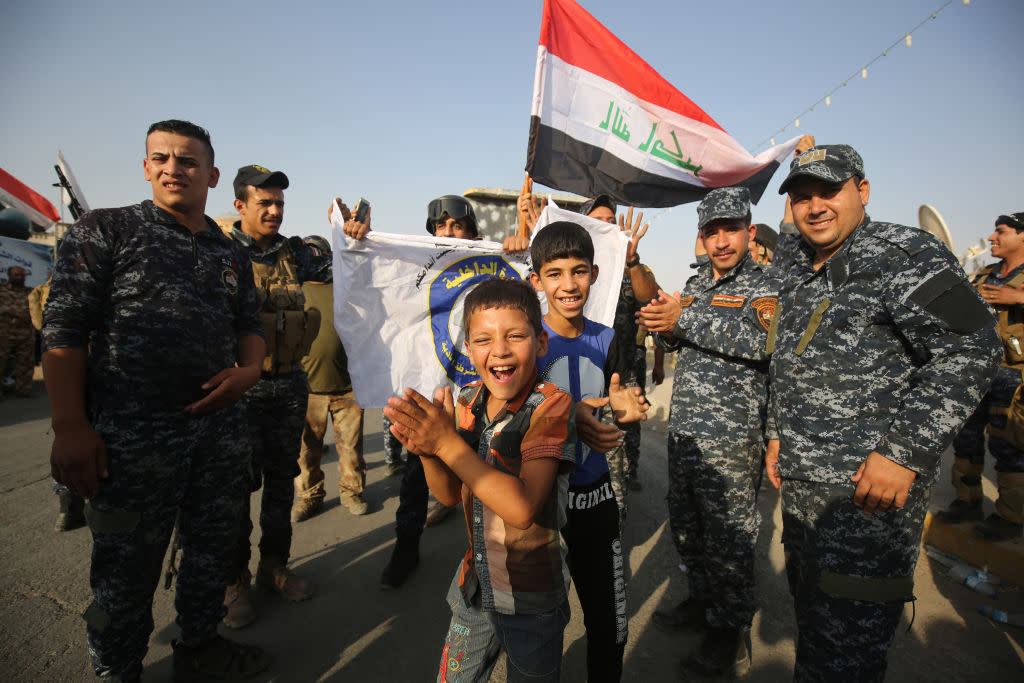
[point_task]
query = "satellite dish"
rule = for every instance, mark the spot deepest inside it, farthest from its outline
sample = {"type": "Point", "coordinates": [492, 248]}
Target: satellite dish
{"type": "Point", "coordinates": [931, 221]}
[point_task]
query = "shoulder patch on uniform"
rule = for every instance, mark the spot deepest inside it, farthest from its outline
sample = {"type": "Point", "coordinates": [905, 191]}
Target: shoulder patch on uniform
{"type": "Point", "coordinates": [686, 301]}
{"type": "Point", "coordinates": [765, 307]}
{"type": "Point", "coordinates": [727, 300]}
{"type": "Point", "coordinates": [949, 298]}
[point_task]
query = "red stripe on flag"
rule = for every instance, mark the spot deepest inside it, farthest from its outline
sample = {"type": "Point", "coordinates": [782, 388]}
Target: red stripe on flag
{"type": "Point", "coordinates": [26, 194]}
{"type": "Point", "coordinates": [573, 35]}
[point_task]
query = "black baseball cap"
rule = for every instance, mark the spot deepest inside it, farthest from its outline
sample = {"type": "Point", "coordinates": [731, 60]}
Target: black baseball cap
{"type": "Point", "coordinates": [599, 200]}
{"type": "Point", "coordinates": [1014, 220]}
{"type": "Point", "coordinates": [258, 176]}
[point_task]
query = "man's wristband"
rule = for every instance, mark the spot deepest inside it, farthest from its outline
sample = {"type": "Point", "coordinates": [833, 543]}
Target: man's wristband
{"type": "Point", "coordinates": [633, 262]}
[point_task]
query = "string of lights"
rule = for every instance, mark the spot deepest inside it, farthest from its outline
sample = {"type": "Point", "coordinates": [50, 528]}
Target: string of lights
{"type": "Point", "coordinates": [862, 71]}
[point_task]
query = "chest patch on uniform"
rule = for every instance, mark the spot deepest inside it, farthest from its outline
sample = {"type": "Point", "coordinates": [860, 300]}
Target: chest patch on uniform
{"type": "Point", "coordinates": [686, 301]}
{"type": "Point", "coordinates": [765, 307]}
{"type": "Point", "coordinates": [727, 301]}
{"type": "Point", "coordinates": [230, 279]}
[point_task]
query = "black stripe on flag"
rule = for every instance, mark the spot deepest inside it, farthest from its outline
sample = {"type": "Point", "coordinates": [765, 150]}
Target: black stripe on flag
{"type": "Point", "coordinates": [564, 163]}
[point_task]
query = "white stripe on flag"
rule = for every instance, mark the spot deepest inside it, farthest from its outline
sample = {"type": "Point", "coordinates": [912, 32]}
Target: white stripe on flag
{"type": "Point", "coordinates": [651, 138]}
{"type": "Point", "coordinates": [398, 302]}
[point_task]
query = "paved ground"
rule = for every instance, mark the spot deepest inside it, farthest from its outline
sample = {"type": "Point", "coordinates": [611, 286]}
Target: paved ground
{"type": "Point", "coordinates": [352, 630]}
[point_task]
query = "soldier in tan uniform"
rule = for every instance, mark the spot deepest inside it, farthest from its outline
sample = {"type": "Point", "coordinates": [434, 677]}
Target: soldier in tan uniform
{"type": "Point", "coordinates": [16, 335]}
{"type": "Point", "coordinates": [1002, 287]}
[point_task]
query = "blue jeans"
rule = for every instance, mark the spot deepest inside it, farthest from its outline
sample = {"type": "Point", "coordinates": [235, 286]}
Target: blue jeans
{"type": "Point", "coordinates": [532, 642]}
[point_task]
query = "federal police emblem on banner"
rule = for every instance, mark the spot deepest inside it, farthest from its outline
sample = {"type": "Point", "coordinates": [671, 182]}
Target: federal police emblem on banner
{"type": "Point", "coordinates": [765, 307]}
{"type": "Point", "coordinates": [447, 292]}
{"type": "Point", "coordinates": [230, 279]}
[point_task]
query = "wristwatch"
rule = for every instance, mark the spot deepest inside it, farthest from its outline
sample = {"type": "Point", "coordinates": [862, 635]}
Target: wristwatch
{"type": "Point", "coordinates": [635, 261]}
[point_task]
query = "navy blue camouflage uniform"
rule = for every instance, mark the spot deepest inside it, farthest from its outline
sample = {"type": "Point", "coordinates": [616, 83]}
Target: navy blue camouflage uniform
{"type": "Point", "coordinates": [716, 433]}
{"type": "Point", "coordinates": [160, 311]}
{"type": "Point", "coordinates": [276, 411]}
{"type": "Point", "coordinates": [887, 348]}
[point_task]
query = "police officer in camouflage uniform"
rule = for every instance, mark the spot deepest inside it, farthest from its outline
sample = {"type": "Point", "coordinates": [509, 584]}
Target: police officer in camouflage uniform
{"type": "Point", "coordinates": [716, 429]}
{"type": "Point", "coordinates": [882, 350]}
{"type": "Point", "coordinates": [152, 336]}
{"type": "Point", "coordinates": [1002, 287]}
{"type": "Point", "coordinates": [16, 334]}
{"type": "Point", "coordinates": [276, 406]}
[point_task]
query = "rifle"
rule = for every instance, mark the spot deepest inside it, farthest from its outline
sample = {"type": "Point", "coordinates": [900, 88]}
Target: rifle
{"type": "Point", "coordinates": [73, 205]}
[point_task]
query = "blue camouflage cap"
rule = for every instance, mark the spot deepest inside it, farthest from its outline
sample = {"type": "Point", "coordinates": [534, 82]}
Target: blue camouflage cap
{"type": "Point", "coordinates": [728, 203]}
{"type": "Point", "coordinates": [833, 164]}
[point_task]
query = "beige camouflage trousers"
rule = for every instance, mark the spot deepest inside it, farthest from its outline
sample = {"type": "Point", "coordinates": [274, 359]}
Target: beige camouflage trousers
{"type": "Point", "coordinates": [347, 417]}
{"type": "Point", "coordinates": [22, 345]}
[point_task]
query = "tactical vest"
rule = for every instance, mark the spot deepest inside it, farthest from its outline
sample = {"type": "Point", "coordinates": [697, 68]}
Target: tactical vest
{"type": "Point", "coordinates": [1010, 328]}
{"type": "Point", "coordinates": [290, 330]}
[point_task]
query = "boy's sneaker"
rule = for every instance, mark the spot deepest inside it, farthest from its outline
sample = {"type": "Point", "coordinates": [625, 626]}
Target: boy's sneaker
{"type": "Point", "coordinates": [724, 652]}
{"type": "Point", "coordinates": [219, 659]}
{"type": "Point", "coordinates": [689, 614]}
{"type": "Point", "coordinates": [404, 559]}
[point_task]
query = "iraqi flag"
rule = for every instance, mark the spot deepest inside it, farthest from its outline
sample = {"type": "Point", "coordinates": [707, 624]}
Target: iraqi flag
{"type": "Point", "coordinates": [604, 122]}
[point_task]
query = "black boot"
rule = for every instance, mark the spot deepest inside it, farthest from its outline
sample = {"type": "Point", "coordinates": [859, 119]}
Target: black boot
{"type": "Point", "coordinates": [998, 528]}
{"type": "Point", "coordinates": [404, 559]}
{"type": "Point", "coordinates": [689, 614]}
{"type": "Point", "coordinates": [723, 652]}
{"type": "Point", "coordinates": [961, 511]}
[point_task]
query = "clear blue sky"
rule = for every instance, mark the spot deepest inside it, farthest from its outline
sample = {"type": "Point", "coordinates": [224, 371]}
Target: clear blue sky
{"type": "Point", "coordinates": [400, 102]}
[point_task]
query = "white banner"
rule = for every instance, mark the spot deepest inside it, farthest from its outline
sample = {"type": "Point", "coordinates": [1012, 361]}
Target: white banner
{"type": "Point", "coordinates": [35, 258]}
{"type": "Point", "coordinates": [398, 301]}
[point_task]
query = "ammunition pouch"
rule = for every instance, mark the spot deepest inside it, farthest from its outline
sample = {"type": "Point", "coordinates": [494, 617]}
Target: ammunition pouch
{"type": "Point", "coordinates": [290, 330]}
{"type": "Point", "coordinates": [1011, 334]}
{"type": "Point", "coordinates": [1013, 342]}
{"type": "Point", "coordinates": [290, 335]}
{"type": "Point", "coordinates": [1013, 432]}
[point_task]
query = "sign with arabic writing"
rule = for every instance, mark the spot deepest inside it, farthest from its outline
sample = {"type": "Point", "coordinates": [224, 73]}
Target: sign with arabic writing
{"type": "Point", "coordinates": [35, 258]}
{"type": "Point", "coordinates": [604, 122]}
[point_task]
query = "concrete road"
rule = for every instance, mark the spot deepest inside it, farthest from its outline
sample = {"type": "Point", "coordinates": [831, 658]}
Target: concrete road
{"type": "Point", "coordinates": [353, 631]}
